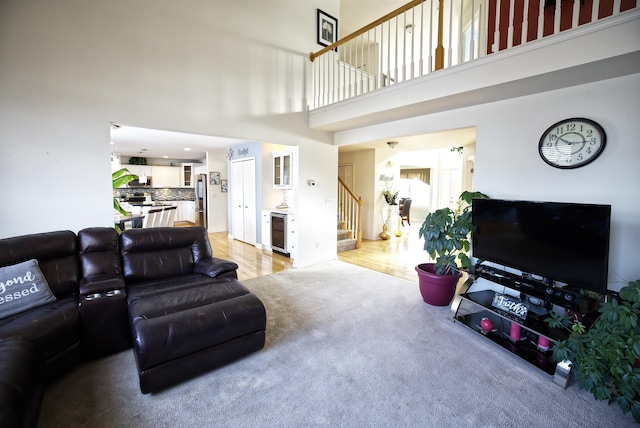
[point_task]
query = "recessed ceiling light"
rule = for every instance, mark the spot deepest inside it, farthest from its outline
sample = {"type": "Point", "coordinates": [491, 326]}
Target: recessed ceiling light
{"type": "Point", "coordinates": [165, 157]}
{"type": "Point", "coordinates": [111, 142]}
{"type": "Point", "coordinates": [187, 149]}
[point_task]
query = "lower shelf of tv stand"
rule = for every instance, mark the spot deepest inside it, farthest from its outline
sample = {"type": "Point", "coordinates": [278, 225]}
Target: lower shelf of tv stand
{"type": "Point", "coordinates": [467, 311]}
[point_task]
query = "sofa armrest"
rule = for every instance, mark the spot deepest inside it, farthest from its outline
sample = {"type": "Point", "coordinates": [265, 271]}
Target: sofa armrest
{"type": "Point", "coordinates": [98, 284]}
{"type": "Point", "coordinates": [216, 268]}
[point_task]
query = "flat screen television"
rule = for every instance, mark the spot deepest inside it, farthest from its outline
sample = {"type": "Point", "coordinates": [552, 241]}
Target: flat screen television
{"type": "Point", "coordinates": [565, 242]}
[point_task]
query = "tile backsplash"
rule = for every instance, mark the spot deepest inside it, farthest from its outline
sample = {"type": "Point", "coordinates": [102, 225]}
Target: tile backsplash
{"type": "Point", "coordinates": [160, 193]}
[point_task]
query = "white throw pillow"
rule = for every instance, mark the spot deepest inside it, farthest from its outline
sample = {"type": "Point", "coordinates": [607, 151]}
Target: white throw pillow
{"type": "Point", "coordinates": [22, 287]}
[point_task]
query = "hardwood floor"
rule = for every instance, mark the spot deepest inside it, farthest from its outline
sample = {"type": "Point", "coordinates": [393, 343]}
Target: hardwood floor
{"type": "Point", "coordinates": [396, 256]}
{"type": "Point", "coordinates": [251, 261]}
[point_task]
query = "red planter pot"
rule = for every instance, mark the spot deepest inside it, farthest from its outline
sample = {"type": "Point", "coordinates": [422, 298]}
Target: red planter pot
{"type": "Point", "coordinates": [436, 290]}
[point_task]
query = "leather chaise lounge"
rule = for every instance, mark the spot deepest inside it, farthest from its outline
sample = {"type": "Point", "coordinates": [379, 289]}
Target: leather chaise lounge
{"type": "Point", "coordinates": [187, 311]}
{"type": "Point", "coordinates": [157, 289]}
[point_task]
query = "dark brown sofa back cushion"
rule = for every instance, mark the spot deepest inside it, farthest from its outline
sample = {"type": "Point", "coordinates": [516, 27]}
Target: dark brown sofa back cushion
{"type": "Point", "coordinates": [99, 251]}
{"type": "Point", "coordinates": [162, 252]}
{"type": "Point", "coordinates": [57, 255]}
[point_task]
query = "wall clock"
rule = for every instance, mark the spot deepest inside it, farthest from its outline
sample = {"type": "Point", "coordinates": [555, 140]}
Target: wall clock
{"type": "Point", "coordinates": [572, 143]}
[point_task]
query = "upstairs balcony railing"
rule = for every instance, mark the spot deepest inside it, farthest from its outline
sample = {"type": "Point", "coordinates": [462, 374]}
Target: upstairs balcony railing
{"type": "Point", "coordinates": [428, 35]}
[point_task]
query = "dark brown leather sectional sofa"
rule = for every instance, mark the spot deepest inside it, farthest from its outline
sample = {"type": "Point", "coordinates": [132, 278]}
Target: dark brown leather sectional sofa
{"type": "Point", "coordinates": [158, 290]}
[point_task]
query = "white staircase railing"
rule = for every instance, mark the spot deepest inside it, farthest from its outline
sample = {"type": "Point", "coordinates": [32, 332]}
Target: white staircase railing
{"type": "Point", "coordinates": [349, 212]}
{"type": "Point", "coordinates": [427, 35]}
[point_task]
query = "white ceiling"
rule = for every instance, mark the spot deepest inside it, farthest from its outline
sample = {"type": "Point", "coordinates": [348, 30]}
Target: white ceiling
{"type": "Point", "coordinates": [436, 140]}
{"type": "Point", "coordinates": [154, 143]}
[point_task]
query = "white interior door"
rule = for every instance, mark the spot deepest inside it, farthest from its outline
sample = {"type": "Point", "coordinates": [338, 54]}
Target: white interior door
{"type": "Point", "coordinates": [237, 199]}
{"type": "Point", "coordinates": [249, 210]}
{"type": "Point", "coordinates": [243, 196]}
{"type": "Point", "coordinates": [346, 173]}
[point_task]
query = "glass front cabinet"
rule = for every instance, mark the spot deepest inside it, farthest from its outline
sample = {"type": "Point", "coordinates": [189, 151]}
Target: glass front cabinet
{"type": "Point", "coordinates": [282, 167]}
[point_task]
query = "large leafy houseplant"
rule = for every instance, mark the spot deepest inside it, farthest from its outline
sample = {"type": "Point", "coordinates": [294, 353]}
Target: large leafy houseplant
{"type": "Point", "coordinates": [446, 235]}
{"type": "Point", "coordinates": [606, 357]}
{"type": "Point", "coordinates": [120, 178]}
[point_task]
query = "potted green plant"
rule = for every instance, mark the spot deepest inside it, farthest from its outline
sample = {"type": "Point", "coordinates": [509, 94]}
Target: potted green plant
{"type": "Point", "coordinates": [605, 358]}
{"type": "Point", "coordinates": [447, 239]}
{"type": "Point", "coordinates": [120, 178]}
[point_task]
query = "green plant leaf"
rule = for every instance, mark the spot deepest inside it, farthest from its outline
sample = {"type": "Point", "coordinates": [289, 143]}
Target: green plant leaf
{"type": "Point", "coordinates": [120, 178]}
{"type": "Point", "coordinates": [446, 233]}
{"type": "Point", "coordinates": [604, 355]}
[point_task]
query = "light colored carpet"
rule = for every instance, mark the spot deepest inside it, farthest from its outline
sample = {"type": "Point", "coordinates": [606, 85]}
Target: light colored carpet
{"type": "Point", "coordinates": [346, 347]}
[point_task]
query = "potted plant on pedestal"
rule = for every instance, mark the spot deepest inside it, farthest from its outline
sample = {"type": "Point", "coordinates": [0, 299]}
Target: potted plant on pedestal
{"type": "Point", "coordinates": [605, 358]}
{"type": "Point", "coordinates": [446, 234]}
{"type": "Point", "coordinates": [391, 198]}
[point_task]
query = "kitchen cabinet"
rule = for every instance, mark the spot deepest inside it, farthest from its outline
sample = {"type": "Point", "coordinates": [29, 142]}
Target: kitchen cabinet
{"type": "Point", "coordinates": [282, 168]}
{"type": "Point", "coordinates": [292, 236]}
{"type": "Point", "coordinates": [162, 176]}
{"type": "Point", "coordinates": [166, 176]}
{"type": "Point", "coordinates": [266, 229]}
{"type": "Point", "coordinates": [186, 211]}
{"type": "Point", "coordinates": [138, 169]}
{"type": "Point", "coordinates": [187, 175]}
{"type": "Point", "coordinates": [290, 230]}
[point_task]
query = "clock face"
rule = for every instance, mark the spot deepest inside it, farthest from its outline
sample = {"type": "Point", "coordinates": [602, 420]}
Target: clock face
{"type": "Point", "coordinates": [572, 143]}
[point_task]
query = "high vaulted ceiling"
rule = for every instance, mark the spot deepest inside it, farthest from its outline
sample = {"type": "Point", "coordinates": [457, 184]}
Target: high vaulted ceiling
{"type": "Point", "coordinates": [354, 14]}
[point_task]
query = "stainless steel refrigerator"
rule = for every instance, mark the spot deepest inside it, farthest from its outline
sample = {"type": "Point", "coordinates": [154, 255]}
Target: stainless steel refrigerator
{"type": "Point", "coordinates": [201, 200]}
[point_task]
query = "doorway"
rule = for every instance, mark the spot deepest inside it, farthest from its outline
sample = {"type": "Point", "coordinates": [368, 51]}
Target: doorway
{"type": "Point", "coordinates": [345, 172]}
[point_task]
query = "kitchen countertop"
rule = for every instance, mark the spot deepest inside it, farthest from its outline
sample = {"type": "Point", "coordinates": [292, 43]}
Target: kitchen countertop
{"type": "Point", "coordinates": [280, 210]}
{"type": "Point", "coordinates": [150, 204]}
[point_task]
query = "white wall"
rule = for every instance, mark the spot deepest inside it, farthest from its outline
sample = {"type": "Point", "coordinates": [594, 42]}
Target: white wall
{"type": "Point", "coordinates": [507, 164]}
{"type": "Point", "coordinates": [69, 68]}
{"type": "Point", "coordinates": [506, 152]}
{"type": "Point", "coordinates": [316, 207]}
{"type": "Point", "coordinates": [218, 201]}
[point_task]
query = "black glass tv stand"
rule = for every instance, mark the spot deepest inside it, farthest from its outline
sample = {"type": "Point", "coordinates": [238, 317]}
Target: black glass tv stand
{"type": "Point", "coordinates": [469, 309]}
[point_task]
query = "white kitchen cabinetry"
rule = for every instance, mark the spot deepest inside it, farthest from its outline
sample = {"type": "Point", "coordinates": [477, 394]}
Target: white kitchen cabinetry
{"type": "Point", "coordinates": [191, 211]}
{"type": "Point", "coordinates": [181, 213]}
{"type": "Point", "coordinates": [166, 176]}
{"type": "Point", "coordinates": [162, 176]}
{"type": "Point", "coordinates": [266, 230]}
{"type": "Point", "coordinates": [186, 211]}
{"type": "Point", "coordinates": [292, 236]}
{"type": "Point", "coordinates": [282, 168]}
{"type": "Point", "coordinates": [187, 175]}
{"type": "Point", "coordinates": [138, 169]}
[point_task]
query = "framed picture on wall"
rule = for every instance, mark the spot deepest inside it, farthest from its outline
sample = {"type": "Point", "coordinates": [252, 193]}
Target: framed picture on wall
{"type": "Point", "coordinates": [214, 178]}
{"type": "Point", "coordinates": [327, 29]}
{"type": "Point", "coordinates": [224, 185]}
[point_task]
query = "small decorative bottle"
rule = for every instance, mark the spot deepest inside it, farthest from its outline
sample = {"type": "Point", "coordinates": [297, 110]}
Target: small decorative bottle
{"type": "Point", "coordinates": [384, 234]}
{"type": "Point", "coordinates": [515, 332]}
{"type": "Point", "coordinates": [543, 343]}
{"type": "Point", "coordinates": [486, 324]}
{"type": "Point", "coordinates": [398, 231]}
